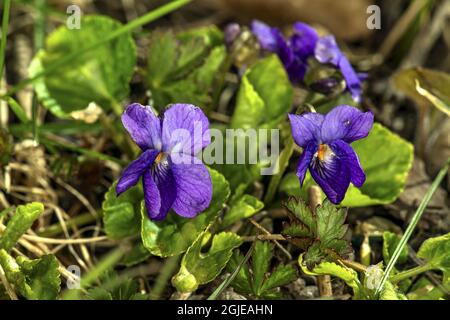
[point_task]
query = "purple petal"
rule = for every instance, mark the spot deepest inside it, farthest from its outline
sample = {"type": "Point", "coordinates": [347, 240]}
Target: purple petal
{"type": "Point", "coordinates": [346, 123]}
{"type": "Point", "coordinates": [327, 51]}
{"type": "Point", "coordinates": [265, 35]}
{"type": "Point", "coordinates": [347, 154]}
{"type": "Point", "coordinates": [351, 79]}
{"type": "Point", "coordinates": [296, 70]}
{"type": "Point", "coordinates": [143, 126]}
{"type": "Point", "coordinates": [159, 189]}
{"type": "Point", "coordinates": [185, 129]}
{"type": "Point", "coordinates": [193, 185]}
{"type": "Point", "coordinates": [332, 175]}
{"type": "Point", "coordinates": [283, 50]}
{"type": "Point", "coordinates": [304, 40]}
{"type": "Point", "coordinates": [132, 173]}
{"type": "Point", "coordinates": [152, 197]}
{"type": "Point", "coordinates": [305, 161]}
{"type": "Point", "coordinates": [271, 39]}
{"type": "Point", "coordinates": [306, 128]}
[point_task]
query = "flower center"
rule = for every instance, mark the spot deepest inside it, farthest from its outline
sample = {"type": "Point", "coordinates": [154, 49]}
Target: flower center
{"type": "Point", "coordinates": [322, 152]}
{"type": "Point", "coordinates": [160, 157]}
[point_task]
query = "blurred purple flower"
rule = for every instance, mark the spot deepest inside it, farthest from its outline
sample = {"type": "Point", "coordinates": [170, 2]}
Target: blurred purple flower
{"type": "Point", "coordinates": [326, 148]}
{"type": "Point", "coordinates": [303, 44]}
{"type": "Point", "coordinates": [327, 51]}
{"type": "Point", "coordinates": [172, 176]}
{"type": "Point", "coordinates": [232, 31]}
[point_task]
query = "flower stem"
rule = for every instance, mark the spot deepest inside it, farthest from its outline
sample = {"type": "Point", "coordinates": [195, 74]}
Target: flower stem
{"type": "Point", "coordinates": [409, 273]}
{"type": "Point", "coordinates": [323, 281]}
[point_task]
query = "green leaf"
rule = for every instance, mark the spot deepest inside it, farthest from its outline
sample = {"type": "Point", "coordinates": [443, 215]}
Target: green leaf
{"type": "Point", "coordinates": [390, 242]}
{"type": "Point", "coordinates": [436, 251]}
{"type": "Point", "coordinates": [282, 275]}
{"type": "Point", "coordinates": [348, 275]}
{"type": "Point", "coordinates": [175, 234]}
{"type": "Point", "coordinates": [184, 67]}
{"type": "Point", "coordinates": [244, 207]}
{"type": "Point", "coordinates": [20, 222]}
{"type": "Point", "coordinates": [386, 174]}
{"type": "Point", "coordinates": [100, 75]}
{"type": "Point", "coordinates": [260, 264]}
{"type": "Point", "coordinates": [320, 233]}
{"type": "Point", "coordinates": [265, 95]}
{"type": "Point", "coordinates": [211, 35]}
{"type": "Point", "coordinates": [136, 255]}
{"type": "Point", "coordinates": [423, 289]}
{"type": "Point", "coordinates": [199, 268]}
{"type": "Point", "coordinates": [34, 279]}
{"type": "Point", "coordinates": [425, 86]}
{"type": "Point", "coordinates": [390, 293]}
{"type": "Point", "coordinates": [243, 280]}
{"type": "Point", "coordinates": [113, 287]}
{"type": "Point", "coordinates": [258, 282]}
{"type": "Point", "coordinates": [121, 215]}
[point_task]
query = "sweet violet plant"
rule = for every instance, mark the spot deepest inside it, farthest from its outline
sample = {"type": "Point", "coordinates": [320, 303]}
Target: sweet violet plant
{"type": "Point", "coordinates": [303, 44]}
{"type": "Point", "coordinates": [326, 148]}
{"type": "Point", "coordinates": [172, 177]}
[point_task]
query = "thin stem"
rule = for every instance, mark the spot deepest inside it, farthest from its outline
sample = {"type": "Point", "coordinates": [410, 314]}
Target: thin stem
{"type": "Point", "coordinates": [231, 277]}
{"type": "Point", "coordinates": [84, 151]}
{"type": "Point", "coordinates": [64, 241]}
{"type": "Point", "coordinates": [78, 221]}
{"type": "Point", "coordinates": [18, 110]}
{"type": "Point", "coordinates": [39, 39]}
{"type": "Point", "coordinates": [410, 273]}
{"type": "Point", "coordinates": [161, 281]}
{"type": "Point", "coordinates": [146, 18]}
{"type": "Point", "coordinates": [107, 262]}
{"type": "Point", "coordinates": [415, 219]}
{"type": "Point", "coordinates": [5, 24]}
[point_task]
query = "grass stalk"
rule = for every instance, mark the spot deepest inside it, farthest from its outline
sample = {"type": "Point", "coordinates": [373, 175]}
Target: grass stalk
{"type": "Point", "coordinates": [412, 225]}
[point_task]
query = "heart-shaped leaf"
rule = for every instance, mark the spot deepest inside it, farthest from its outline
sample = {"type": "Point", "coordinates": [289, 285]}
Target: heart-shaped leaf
{"type": "Point", "coordinates": [200, 268]}
{"type": "Point", "coordinates": [36, 279]}
{"type": "Point", "coordinates": [265, 95]}
{"type": "Point", "coordinates": [436, 253]}
{"type": "Point", "coordinates": [100, 75]}
{"type": "Point", "coordinates": [121, 215]}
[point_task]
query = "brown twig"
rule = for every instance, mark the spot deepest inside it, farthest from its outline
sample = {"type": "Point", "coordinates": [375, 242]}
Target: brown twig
{"type": "Point", "coordinates": [262, 237]}
{"type": "Point", "coordinates": [260, 227]}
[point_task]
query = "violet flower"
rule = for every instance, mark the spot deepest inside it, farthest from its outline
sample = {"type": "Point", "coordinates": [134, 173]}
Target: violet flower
{"type": "Point", "coordinates": [303, 44]}
{"type": "Point", "coordinates": [326, 148]}
{"type": "Point", "coordinates": [172, 176]}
